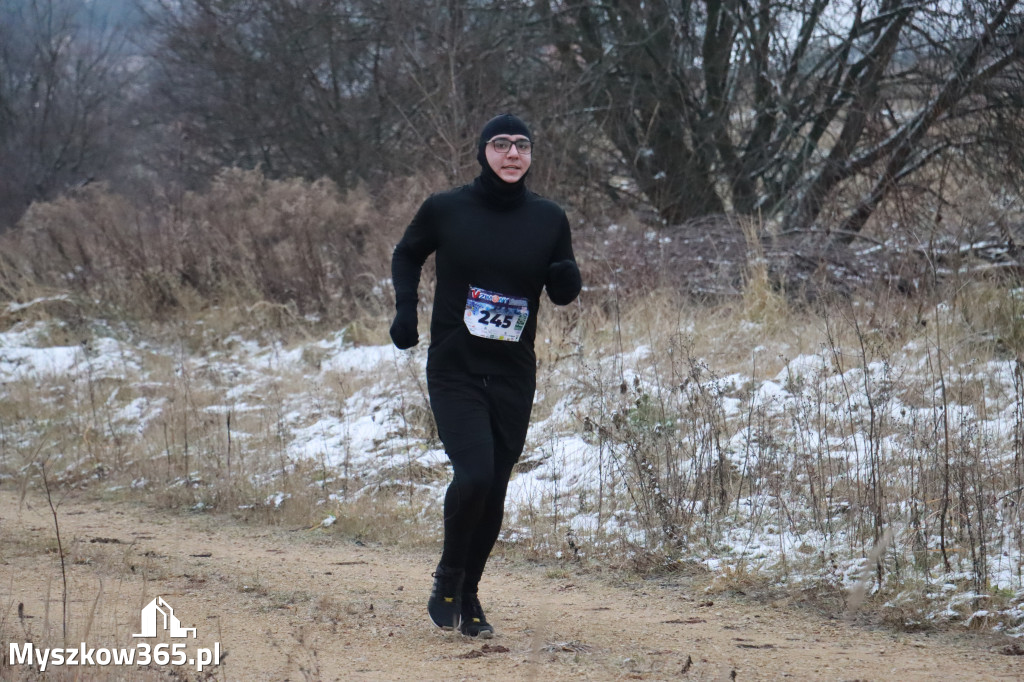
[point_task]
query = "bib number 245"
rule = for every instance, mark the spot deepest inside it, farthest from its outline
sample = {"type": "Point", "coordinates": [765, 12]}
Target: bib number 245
{"type": "Point", "coordinates": [497, 319]}
{"type": "Point", "coordinates": [492, 315]}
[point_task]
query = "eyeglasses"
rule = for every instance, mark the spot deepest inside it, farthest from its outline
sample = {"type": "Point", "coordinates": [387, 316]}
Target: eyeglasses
{"type": "Point", "coordinates": [502, 145]}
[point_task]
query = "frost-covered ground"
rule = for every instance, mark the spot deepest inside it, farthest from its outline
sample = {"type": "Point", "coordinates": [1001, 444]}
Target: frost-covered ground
{"type": "Point", "coordinates": [818, 474]}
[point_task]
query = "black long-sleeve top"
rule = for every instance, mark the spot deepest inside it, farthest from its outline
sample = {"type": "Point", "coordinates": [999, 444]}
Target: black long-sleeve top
{"type": "Point", "coordinates": [481, 241]}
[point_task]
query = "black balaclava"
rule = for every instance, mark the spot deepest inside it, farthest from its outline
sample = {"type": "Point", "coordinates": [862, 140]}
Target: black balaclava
{"type": "Point", "coordinates": [498, 192]}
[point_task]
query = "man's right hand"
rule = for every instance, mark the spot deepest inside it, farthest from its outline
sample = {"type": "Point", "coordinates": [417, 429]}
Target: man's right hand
{"type": "Point", "coordinates": [404, 333]}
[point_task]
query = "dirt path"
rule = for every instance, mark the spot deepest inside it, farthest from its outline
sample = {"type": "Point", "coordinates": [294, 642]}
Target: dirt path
{"type": "Point", "coordinates": [309, 605]}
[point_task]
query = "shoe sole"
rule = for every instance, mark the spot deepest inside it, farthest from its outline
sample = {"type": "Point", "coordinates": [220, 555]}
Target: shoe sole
{"type": "Point", "coordinates": [483, 634]}
{"type": "Point", "coordinates": [443, 627]}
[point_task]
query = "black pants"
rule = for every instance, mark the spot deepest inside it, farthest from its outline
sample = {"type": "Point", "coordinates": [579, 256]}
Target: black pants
{"type": "Point", "coordinates": [482, 422]}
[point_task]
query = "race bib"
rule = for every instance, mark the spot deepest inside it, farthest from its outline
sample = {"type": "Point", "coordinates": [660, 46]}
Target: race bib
{"type": "Point", "coordinates": [491, 315]}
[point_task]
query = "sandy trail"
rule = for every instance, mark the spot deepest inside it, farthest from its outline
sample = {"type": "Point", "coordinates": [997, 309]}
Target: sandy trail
{"type": "Point", "coordinates": [309, 604]}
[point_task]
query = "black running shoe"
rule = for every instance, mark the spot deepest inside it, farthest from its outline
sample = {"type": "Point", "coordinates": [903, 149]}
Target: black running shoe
{"type": "Point", "coordinates": [445, 603]}
{"type": "Point", "coordinates": [474, 623]}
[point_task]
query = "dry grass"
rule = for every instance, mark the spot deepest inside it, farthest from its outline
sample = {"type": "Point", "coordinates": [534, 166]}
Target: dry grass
{"type": "Point", "coordinates": [829, 424]}
{"type": "Point", "coordinates": [889, 427]}
{"type": "Point", "coordinates": [279, 250]}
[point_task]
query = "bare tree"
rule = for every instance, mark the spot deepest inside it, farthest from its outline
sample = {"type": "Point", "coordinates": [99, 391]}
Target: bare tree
{"type": "Point", "coordinates": [777, 108]}
{"type": "Point", "coordinates": [350, 89]}
{"type": "Point", "coordinates": [810, 112]}
{"type": "Point", "coordinates": [65, 73]}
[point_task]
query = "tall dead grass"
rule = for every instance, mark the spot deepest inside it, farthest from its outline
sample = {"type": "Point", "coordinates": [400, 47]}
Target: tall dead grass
{"type": "Point", "coordinates": [302, 248]}
{"type": "Point", "coordinates": [871, 439]}
{"type": "Point", "coordinates": [858, 438]}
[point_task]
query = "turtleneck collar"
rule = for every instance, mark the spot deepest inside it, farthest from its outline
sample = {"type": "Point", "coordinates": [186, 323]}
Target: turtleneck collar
{"type": "Point", "coordinates": [496, 192]}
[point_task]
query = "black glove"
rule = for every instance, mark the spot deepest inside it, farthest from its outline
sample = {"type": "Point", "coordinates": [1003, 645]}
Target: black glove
{"type": "Point", "coordinates": [403, 330]}
{"type": "Point", "coordinates": [563, 282]}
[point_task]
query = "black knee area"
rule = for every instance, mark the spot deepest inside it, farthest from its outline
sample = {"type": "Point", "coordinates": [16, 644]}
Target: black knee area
{"type": "Point", "coordinates": [474, 478]}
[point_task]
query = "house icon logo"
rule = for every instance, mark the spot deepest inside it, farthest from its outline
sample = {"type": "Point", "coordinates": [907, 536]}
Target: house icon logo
{"type": "Point", "coordinates": [158, 613]}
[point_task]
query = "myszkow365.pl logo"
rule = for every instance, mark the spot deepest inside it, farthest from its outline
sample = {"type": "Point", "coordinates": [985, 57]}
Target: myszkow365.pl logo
{"type": "Point", "coordinates": [157, 616]}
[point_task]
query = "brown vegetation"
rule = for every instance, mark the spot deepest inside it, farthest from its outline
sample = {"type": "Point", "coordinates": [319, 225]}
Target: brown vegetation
{"type": "Point", "coordinates": [746, 407]}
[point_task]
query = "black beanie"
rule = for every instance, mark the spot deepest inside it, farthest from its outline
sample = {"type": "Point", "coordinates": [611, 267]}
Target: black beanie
{"type": "Point", "coordinates": [503, 124]}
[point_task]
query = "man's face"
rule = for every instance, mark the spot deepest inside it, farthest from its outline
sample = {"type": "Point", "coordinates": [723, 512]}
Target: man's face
{"type": "Point", "coordinates": [512, 165]}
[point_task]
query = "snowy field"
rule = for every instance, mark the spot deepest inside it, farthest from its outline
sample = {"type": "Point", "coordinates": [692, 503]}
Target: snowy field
{"type": "Point", "coordinates": [824, 474]}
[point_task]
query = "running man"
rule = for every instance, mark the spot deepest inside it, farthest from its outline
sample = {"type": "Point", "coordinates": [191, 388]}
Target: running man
{"type": "Point", "coordinates": [497, 245]}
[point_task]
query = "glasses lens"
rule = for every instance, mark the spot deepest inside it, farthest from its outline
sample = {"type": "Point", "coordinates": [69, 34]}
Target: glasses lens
{"type": "Point", "coordinates": [502, 145]}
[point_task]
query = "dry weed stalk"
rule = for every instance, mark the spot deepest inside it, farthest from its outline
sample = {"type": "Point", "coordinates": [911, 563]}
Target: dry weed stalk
{"type": "Point", "coordinates": [777, 438]}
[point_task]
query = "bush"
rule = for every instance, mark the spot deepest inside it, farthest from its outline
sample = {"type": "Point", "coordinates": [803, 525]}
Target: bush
{"type": "Point", "coordinates": [303, 245]}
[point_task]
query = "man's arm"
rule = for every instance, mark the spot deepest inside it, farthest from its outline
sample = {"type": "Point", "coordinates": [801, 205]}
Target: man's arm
{"type": "Point", "coordinates": [563, 280]}
{"type": "Point", "coordinates": [418, 242]}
